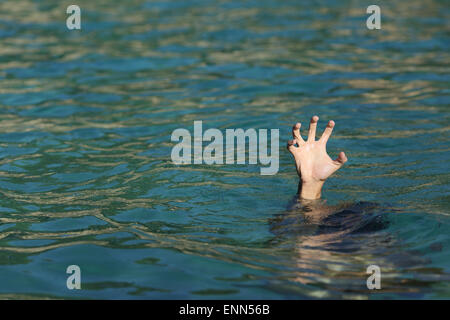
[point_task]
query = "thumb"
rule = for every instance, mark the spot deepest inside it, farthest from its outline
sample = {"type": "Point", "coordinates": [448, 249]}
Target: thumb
{"type": "Point", "coordinates": [341, 159]}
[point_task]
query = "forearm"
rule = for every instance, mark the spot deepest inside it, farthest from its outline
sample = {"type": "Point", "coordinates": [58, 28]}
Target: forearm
{"type": "Point", "coordinates": [310, 190]}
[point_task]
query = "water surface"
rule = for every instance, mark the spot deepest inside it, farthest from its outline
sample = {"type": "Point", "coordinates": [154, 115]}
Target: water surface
{"type": "Point", "coordinates": [86, 176]}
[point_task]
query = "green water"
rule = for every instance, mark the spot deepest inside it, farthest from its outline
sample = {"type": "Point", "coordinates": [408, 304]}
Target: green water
{"type": "Point", "coordinates": [86, 176]}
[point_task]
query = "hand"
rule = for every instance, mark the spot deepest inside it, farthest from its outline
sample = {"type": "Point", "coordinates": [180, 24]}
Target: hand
{"type": "Point", "coordinates": [312, 161]}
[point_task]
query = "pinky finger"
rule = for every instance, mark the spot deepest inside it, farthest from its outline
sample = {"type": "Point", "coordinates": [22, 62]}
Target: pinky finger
{"type": "Point", "coordinates": [291, 145]}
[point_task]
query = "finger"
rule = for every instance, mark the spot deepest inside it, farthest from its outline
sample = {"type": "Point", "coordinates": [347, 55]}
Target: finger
{"type": "Point", "coordinates": [327, 132]}
{"type": "Point", "coordinates": [341, 159]}
{"type": "Point", "coordinates": [296, 133]}
{"type": "Point", "coordinates": [291, 145]}
{"type": "Point", "coordinates": [312, 129]}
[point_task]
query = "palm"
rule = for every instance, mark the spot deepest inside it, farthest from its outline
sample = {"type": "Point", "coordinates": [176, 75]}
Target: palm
{"type": "Point", "coordinates": [311, 158]}
{"type": "Point", "coordinates": [313, 162]}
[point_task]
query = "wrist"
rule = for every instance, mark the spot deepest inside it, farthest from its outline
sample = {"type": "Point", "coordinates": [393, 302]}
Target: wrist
{"type": "Point", "coordinates": [310, 190]}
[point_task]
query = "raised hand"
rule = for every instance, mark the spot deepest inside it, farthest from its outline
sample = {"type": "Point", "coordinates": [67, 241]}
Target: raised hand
{"type": "Point", "coordinates": [312, 161]}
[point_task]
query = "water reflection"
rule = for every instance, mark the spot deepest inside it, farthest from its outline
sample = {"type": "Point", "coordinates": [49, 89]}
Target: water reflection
{"type": "Point", "coordinates": [85, 169]}
{"type": "Point", "coordinates": [332, 246]}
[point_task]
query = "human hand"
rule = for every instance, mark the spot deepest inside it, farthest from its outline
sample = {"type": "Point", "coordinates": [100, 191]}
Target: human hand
{"type": "Point", "coordinates": [312, 161]}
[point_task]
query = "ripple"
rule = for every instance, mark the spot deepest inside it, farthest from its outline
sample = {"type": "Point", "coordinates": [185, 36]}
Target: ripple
{"type": "Point", "coordinates": [85, 170]}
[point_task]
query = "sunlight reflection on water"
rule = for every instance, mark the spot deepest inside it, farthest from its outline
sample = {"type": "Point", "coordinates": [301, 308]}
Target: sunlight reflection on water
{"type": "Point", "coordinates": [85, 169]}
